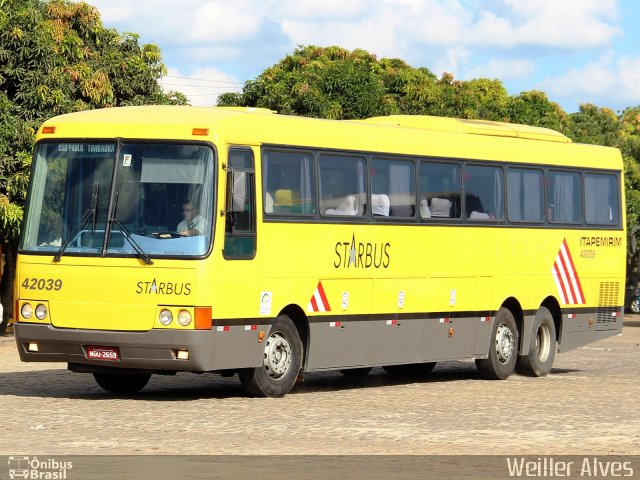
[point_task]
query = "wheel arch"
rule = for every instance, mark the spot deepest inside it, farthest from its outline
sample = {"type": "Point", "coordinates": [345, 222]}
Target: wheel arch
{"type": "Point", "coordinates": [551, 303]}
{"type": "Point", "coordinates": [301, 322]}
{"type": "Point", "coordinates": [513, 305]}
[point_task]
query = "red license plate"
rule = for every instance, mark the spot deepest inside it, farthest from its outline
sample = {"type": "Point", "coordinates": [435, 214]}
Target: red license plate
{"type": "Point", "coordinates": [103, 353]}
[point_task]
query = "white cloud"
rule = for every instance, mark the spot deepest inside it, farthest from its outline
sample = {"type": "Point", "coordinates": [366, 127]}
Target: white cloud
{"type": "Point", "coordinates": [376, 35]}
{"type": "Point", "coordinates": [565, 23]}
{"type": "Point", "coordinates": [452, 60]}
{"type": "Point", "coordinates": [512, 69]}
{"type": "Point", "coordinates": [605, 80]}
{"type": "Point", "coordinates": [224, 21]}
{"type": "Point", "coordinates": [540, 23]}
{"type": "Point", "coordinates": [325, 9]}
{"type": "Point", "coordinates": [202, 87]}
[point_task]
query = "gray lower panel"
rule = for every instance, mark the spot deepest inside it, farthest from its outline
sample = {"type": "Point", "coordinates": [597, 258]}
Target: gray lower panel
{"type": "Point", "coordinates": [392, 341]}
{"type": "Point", "coordinates": [337, 344]}
{"type": "Point", "coordinates": [449, 339]}
{"type": "Point", "coordinates": [234, 347]}
{"type": "Point", "coordinates": [386, 342]}
{"type": "Point", "coordinates": [584, 328]}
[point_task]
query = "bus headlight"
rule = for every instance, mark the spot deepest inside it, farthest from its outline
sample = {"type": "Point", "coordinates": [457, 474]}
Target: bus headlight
{"type": "Point", "coordinates": [184, 318]}
{"type": "Point", "coordinates": [166, 317]}
{"type": "Point", "coordinates": [41, 312]}
{"type": "Point", "coordinates": [26, 311]}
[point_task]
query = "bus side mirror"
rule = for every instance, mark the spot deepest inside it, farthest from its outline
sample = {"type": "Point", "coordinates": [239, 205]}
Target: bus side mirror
{"type": "Point", "coordinates": [236, 190]}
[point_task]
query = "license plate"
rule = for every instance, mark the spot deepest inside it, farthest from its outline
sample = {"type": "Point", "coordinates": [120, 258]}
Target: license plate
{"type": "Point", "coordinates": [103, 353]}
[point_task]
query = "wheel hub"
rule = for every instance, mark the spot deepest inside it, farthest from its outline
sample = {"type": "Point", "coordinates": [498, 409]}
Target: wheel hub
{"type": "Point", "coordinates": [504, 343]}
{"type": "Point", "coordinates": [543, 342]}
{"type": "Point", "coordinates": [277, 355]}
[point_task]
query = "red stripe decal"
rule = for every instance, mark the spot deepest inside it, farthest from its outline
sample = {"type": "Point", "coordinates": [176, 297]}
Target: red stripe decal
{"type": "Point", "coordinates": [574, 272]}
{"type": "Point", "coordinates": [314, 305]}
{"type": "Point", "coordinates": [323, 297]}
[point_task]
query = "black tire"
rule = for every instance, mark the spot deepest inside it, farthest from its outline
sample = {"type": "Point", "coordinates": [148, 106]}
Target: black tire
{"type": "Point", "coordinates": [282, 362]}
{"type": "Point", "coordinates": [121, 383]}
{"type": "Point", "coordinates": [542, 347]}
{"type": "Point", "coordinates": [356, 372]}
{"type": "Point", "coordinates": [634, 304]}
{"type": "Point", "coordinates": [410, 368]}
{"type": "Point", "coordinates": [503, 348]}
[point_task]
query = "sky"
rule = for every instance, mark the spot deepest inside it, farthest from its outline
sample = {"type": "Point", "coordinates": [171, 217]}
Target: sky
{"type": "Point", "coordinates": [576, 51]}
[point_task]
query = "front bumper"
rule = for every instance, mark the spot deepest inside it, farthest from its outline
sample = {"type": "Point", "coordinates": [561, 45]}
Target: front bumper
{"type": "Point", "coordinates": [149, 350]}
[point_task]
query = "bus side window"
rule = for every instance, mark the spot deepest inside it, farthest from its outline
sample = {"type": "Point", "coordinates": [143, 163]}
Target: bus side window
{"type": "Point", "coordinates": [439, 190]}
{"type": "Point", "coordinates": [240, 228]}
{"type": "Point", "coordinates": [393, 182]}
{"type": "Point", "coordinates": [483, 192]}
{"type": "Point", "coordinates": [525, 196]}
{"type": "Point", "coordinates": [289, 180]}
{"type": "Point", "coordinates": [342, 185]}
{"type": "Point", "coordinates": [564, 197]}
{"type": "Point", "coordinates": [601, 199]}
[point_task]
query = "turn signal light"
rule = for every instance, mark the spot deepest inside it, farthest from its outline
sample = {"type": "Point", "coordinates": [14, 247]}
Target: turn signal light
{"type": "Point", "coordinates": [203, 318]}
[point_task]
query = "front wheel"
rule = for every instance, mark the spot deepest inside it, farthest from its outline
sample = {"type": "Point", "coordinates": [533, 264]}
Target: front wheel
{"type": "Point", "coordinates": [121, 383]}
{"type": "Point", "coordinates": [281, 363]}
{"type": "Point", "coordinates": [503, 348]}
{"type": "Point", "coordinates": [542, 347]}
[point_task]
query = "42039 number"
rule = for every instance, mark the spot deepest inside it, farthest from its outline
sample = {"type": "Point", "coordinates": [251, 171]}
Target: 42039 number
{"type": "Point", "coordinates": [42, 284]}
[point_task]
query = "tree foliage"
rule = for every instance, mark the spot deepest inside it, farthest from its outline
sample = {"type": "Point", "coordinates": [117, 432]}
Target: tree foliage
{"type": "Point", "coordinates": [57, 57]}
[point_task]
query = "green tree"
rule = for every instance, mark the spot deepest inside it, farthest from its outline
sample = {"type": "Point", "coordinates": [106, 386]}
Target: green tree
{"type": "Point", "coordinates": [319, 82]}
{"type": "Point", "coordinates": [534, 108]}
{"type": "Point", "coordinates": [57, 57]}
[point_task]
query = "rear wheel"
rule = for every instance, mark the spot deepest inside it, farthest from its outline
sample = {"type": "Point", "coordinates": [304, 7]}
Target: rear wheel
{"type": "Point", "coordinates": [121, 383]}
{"type": "Point", "coordinates": [542, 347]}
{"type": "Point", "coordinates": [503, 348]}
{"type": "Point", "coordinates": [410, 368]}
{"type": "Point", "coordinates": [281, 363]}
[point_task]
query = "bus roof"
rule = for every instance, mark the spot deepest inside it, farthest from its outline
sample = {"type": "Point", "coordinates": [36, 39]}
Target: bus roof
{"type": "Point", "coordinates": [474, 127]}
{"type": "Point", "coordinates": [394, 134]}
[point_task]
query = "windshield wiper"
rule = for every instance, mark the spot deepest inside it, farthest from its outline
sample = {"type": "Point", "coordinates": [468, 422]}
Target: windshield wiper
{"type": "Point", "coordinates": [89, 215]}
{"type": "Point", "coordinates": [127, 234]}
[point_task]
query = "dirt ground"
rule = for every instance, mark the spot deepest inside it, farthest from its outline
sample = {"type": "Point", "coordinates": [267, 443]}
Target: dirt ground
{"type": "Point", "coordinates": [588, 405]}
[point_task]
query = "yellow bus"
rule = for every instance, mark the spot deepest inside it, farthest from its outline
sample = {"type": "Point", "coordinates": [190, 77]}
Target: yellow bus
{"type": "Point", "coordinates": [163, 239]}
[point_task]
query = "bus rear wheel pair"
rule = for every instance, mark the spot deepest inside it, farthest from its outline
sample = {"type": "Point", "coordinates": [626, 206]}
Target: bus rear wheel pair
{"type": "Point", "coordinates": [503, 358]}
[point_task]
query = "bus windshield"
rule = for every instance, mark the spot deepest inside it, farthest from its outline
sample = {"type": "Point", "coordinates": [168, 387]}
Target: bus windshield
{"type": "Point", "coordinates": [127, 199]}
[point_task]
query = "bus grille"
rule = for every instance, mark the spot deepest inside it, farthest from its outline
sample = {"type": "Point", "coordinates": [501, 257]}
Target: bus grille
{"type": "Point", "coordinates": [608, 301]}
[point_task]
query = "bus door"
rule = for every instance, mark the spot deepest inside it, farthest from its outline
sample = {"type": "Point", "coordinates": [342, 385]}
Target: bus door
{"type": "Point", "coordinates": [239, 265]}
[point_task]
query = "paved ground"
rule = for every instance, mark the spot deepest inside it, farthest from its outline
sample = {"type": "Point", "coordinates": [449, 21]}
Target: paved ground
{"type": "Point", "coordinates": [589, 405]}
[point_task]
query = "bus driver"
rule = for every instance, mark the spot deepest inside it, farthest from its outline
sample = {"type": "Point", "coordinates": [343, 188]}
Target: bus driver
{"type": "Point", "coordinates": [193, 224]}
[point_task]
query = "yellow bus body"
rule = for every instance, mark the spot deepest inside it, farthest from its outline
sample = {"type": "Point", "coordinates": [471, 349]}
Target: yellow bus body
{"type": "Point", "coordinates": [436, 299]}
